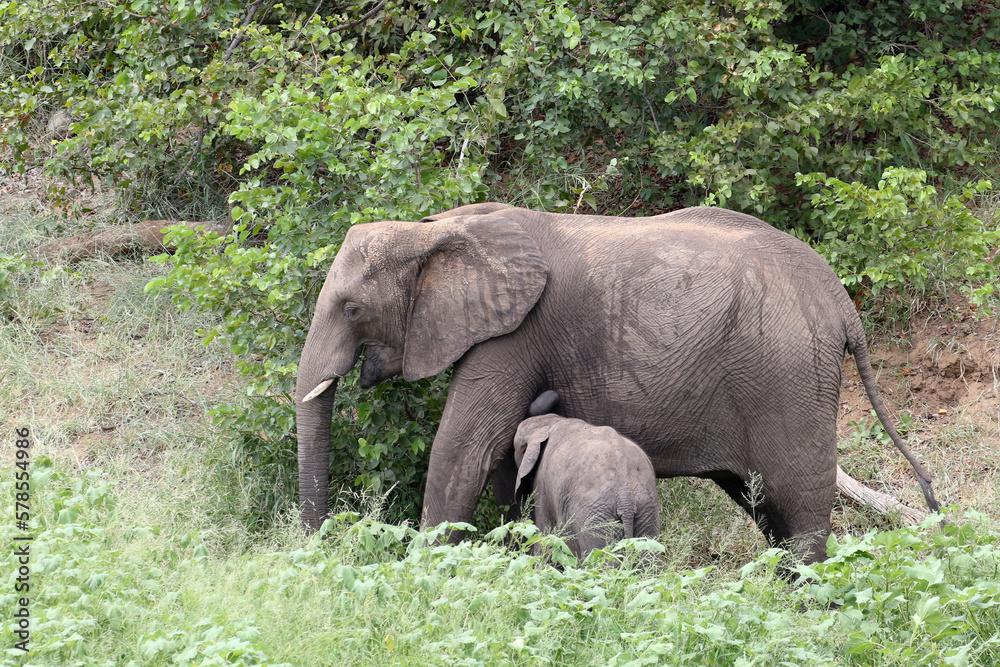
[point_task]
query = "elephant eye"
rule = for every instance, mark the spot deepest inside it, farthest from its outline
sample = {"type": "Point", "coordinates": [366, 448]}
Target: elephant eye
{"type": "Point", "coordinates": [350, 310]}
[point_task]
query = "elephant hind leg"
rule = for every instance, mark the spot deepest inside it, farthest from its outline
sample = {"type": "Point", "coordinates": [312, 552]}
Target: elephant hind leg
{"type": "Point", "coordinates": [788, 517]}
{"type": "Point", "coordinates": [587, 542]}
{"type": "Point", "coordinates": [594, 537]}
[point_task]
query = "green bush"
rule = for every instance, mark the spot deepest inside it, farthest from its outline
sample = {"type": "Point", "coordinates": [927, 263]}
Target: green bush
{"type": "Point", "coordinates": [698, 102]}
{"type": "Point", "coordinates": [902, 235]}
{"type": "Point", "coordinates": [912, 597]}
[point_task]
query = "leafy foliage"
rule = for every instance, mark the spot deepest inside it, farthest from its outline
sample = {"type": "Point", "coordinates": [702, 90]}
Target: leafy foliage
{"type": "Point", "coordinates": [311, 117]}
{"type": "Point", "coordinates": [373, 593]}
{"type": "Point", "coordinates": [697, 103]}
{"type": "Point", "coordinates": [871, 429]}
{"type": "Point", "coordinates": [900, 234]}
{"type": "Point", "coordinates": [919, 594]}
{"type": "Point", "coordinates": [83, 592]}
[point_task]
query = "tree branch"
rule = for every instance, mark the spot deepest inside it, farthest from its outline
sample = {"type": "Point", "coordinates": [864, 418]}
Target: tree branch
{"type": "Point", "coordinates": [348, 26]}
{"type": "Point", "coordinates": [880, 502]}
{"type": "Point", "coordinates": [197, 149]}
{"type": "Point", "coordinates": [240, 31]}
{"type": "Point", "coordinates": [145, 236]}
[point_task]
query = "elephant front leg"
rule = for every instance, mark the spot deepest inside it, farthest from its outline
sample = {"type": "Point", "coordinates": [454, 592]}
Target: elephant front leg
{"type": "Point", "coordinates": [474, 442]}
{"type": "Point", "coordinates": [456, 478]}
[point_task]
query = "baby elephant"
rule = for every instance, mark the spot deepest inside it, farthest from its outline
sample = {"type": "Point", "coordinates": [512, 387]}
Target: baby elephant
{"type": "Point", "coordinates": [590, 483]}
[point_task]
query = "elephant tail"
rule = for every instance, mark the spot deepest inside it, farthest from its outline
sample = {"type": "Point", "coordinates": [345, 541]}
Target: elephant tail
{"type": "Point", "coordinates": [857, 346]}
{"type": "Point", "coordinates": [626, 512]}
{"type": "Point", "coordinates": [626, 501]}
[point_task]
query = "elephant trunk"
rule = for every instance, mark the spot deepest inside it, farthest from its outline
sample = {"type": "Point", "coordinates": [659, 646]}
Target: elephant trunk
{"type": "Point", "coordinates": [313, 424]}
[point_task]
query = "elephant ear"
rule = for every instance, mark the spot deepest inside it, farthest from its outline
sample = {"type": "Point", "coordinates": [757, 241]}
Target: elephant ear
{"type": "Point", "coordinates": [478, 278]}
{"type": "Point", "coordinates": [532, 453]}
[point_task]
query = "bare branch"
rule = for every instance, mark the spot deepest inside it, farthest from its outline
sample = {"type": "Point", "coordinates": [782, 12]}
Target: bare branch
{"type": "Point", "coordinates": [880, 502]}
{"type": "Point", "coordinates": [348, 26]}
{"type": "Point", "coordinates": [240, 34]}
{"type": "Point", "coordinates": [197, 149]}
{"type": "Point", "coordinates": [145, 236]}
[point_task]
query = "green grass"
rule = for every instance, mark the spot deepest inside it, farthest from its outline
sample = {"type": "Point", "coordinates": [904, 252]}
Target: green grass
{"type": "Point", "coordinates": [704, 527]}
{"type": "Point", "coordinates": [115, 586]}
{"type": "Point", "coordinates": [142, 554]}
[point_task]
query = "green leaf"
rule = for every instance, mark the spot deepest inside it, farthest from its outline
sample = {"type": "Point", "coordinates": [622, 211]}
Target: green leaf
{"type": "Point", "coordinates": [498, 106]}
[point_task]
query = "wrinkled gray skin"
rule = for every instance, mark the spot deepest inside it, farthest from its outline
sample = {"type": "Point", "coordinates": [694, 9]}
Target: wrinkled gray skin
{"type": "Point", "coordinates": [591, 485]}
{"type": "Point", "coordinates": [708, 337]}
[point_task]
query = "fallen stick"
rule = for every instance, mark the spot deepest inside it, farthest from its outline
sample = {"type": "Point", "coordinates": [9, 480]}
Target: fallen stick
{"type": "Point", "coordinates": [881, 502]}
{"type": "Point", "coordinates": [146, 235]}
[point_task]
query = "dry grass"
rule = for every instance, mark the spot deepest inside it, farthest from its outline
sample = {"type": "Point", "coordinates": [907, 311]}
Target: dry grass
{"type": "Point", "coordinates": [111, 378]}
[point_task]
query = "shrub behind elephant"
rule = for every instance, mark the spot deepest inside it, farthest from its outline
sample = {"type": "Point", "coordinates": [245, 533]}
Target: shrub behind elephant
{"type": "Point", "coordinates": [591, 485]}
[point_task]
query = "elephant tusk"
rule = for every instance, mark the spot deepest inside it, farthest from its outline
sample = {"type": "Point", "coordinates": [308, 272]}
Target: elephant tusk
{"type": "Point", "coordinates": [320, 388]}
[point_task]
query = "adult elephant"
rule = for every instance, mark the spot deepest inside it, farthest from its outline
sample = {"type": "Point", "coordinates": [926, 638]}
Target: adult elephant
{"type": "Point", "coordinates": [708, 337]}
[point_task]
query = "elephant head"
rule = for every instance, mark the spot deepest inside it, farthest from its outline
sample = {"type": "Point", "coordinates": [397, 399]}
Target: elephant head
{"type": "Point", "coordinates": [414, 297]}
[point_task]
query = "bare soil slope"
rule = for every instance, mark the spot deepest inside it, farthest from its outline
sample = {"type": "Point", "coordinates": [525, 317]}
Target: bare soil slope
{"type": "Point", "coordinates": [945, 374]}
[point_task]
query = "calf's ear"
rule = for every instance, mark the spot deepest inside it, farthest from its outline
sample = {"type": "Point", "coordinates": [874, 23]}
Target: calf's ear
{"type": "Point", "coordinates": [533, 445]}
